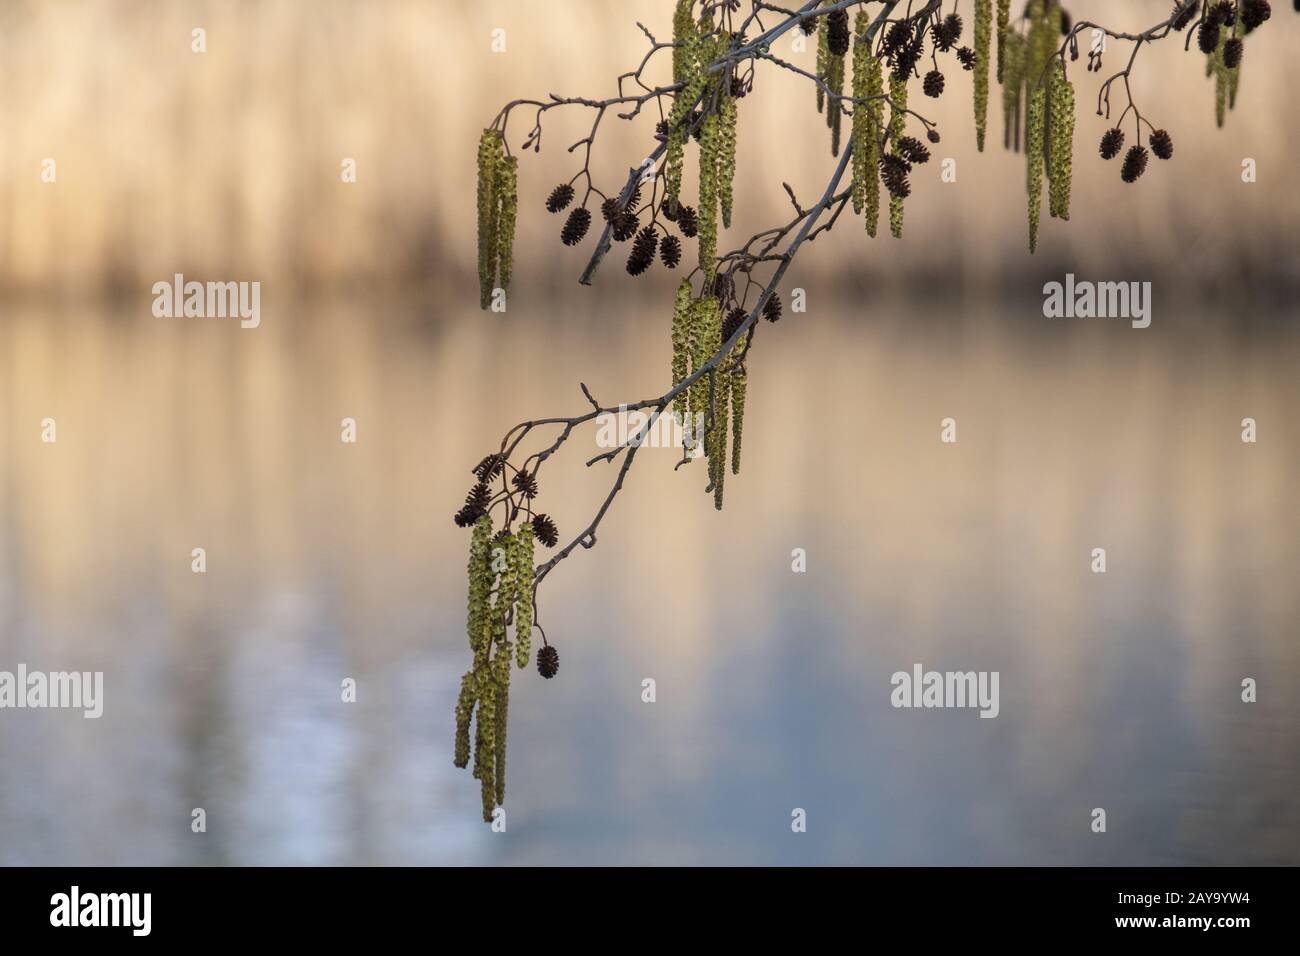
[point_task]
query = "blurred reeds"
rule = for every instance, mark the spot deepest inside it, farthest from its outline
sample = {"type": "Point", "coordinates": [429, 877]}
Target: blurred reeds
{"type": "Point", "coordinates": [227, 163]}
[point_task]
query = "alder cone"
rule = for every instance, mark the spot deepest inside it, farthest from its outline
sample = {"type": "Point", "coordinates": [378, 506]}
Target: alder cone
{"type": "Point", "coordinates": [548, 661]}
{"type": "Point", "coordinates": [1135, 164]}
{"type": "Point", "coordinates": [1232, 53]}
{"type": "Point", "coordinates": [560, 198]}
{"type": "Point", "coordinates": [1162, 144]}
{"type": "Point", "coordinates": [576, 226]}
{"type": "Point", "coordinates": [1112, 141]}
{"type": "Point", "coordinates": [670, 251]}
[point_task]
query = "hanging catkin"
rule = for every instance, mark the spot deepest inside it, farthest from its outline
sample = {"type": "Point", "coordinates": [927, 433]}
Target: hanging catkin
{"type": "Point", "coordinates": [507, 211]}
{"type": "Point", "coordinates": [1012, 87]}
{"type": "Point", "coordinates": [717, 441]}
{"type": "Point", "coordinates": [694, 80]}
{"type": "Point", "coordinates": [726, 153]}
{"type": "Point", "coordinates": [502, 679]}
{"type": "Point", "coordinates": [485, 734]}
{"type": "Point", "coordinates": [1004, 14]}
{"type": "Point", "coordinates": [480, 588]}
{"type": "Point", "coordinates": [861, 117]}
{"type": "Point", "coordinates": [1222, 81]}
{"type": "Point", "coordinates": [834, 112]}
{"type": "Point", "coordinates": [737, 379]}
{"type": "Point", "coordinates": [489, 157]}
{"type": "Point", "coordinates": [683, 33]}
{"type": "Point", "coordinates": [1034, 157]}
{"type": "Point", "coordinates": [1061, 143]}
{"type": "Point", "coordinates": [983, 31]}
{"type": "Point", "coordinates": [706, 327]}
{"type": "Point", "coordinates": [507, 585]}
{"type": "Point", "coordinates": [897, 116]}
{"type": "Point", "coordinates": [464, 713]}
{"type": "Point", "coordinates": [681, 346]}
{"type": "Point", "coordinates": [524, 597]}
{"type": "Point", "coordinates": [823, 62]}
{"type": "Point", "coordinates": [710, 148]}
{"type": "Point", "coordinates": [875, 123]}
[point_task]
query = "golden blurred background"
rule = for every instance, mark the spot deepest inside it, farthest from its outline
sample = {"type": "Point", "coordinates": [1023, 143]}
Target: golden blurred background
{"type": "Point", "coordinates": [227, 163]}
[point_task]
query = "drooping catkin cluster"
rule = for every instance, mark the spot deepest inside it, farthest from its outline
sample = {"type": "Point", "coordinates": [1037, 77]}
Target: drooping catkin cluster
{"type": "Point", "coordinates": [1060, 146]}
{"type": "Point", "coordinates": [1034, 119]}
{"type": "Point", "coordinates": [497, 209]}
{"type": "Point", "coordinates": [500, 590]}
{"type": "Point", "coordinates": [983, 32]}
{"type": "Point", "coordinates": [898, 96]}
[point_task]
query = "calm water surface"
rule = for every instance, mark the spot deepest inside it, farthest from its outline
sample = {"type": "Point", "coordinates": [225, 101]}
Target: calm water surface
{"type": "Point", "coordinates": [328, 560]}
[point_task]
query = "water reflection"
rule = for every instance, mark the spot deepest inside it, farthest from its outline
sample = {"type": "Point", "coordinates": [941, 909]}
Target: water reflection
{"type": "Point", "coordinates": [328, 560]}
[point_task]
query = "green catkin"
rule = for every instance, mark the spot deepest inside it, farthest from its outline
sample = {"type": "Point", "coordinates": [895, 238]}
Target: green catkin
{"type": "Point", "coordinates": [1033, 158]}
{"type": "Point", "coordinates": [1234, 75]}
{"type": "Point", "coordinates": [707, 327]}
{"type": "Point", "coordinates": [464, 713]}
{"type": "Point", "coordinates": [875, 121]}
{"type": "Point", "coordinates": [1221, 81]}
{"type": "Point", "coordinates": [897, 118]}
{"type": "Point", "coordinates": [684, 33]}
{"type": "Point", "coordinates": [508, 210]}
{"type": "Point", "coordinates": [718, 439]}
{"type": "Point", "coordinates": [823, 61]}
{"type": "Point", "coordinates": [681, 345]}
{"type": "Point", "coordinates": [502, 678]}
{"type": "Point", "coordinates": [983, 31]}
{"type": "Point", "coordinates": [1012, 87]}
{"type": "Point", "coordinates": [489, 154]}
{"type": "Point", "coordinates": [694, 314]}
{"type": "Point", "coordinates": [507, 587]}
{"type": "Point", "coordinates": [738, 383]}
{"type": "Point", "coordinates": [727, 154]}
{"type": "Point", "coordinates": [1004, 15]}
{"type": "Point", "coordinates": [1034, 61]}
{"type": "Point", "coordinates": [1061, 143]}
{"type": "Point", "coordinates": [834, 112]}
{"type": "Point", "coordinates": [710, 147]}
{"type": "Point", "coordinates": [480, 588]}
{"type": "Point", "coordinates": [524, 596]}
{"type": "Point", "coordinates": [861, 124]}
{"type": "Point", "coordinates": [485, 751]}
{"type": "Point", "coordinates": [694, 81]}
